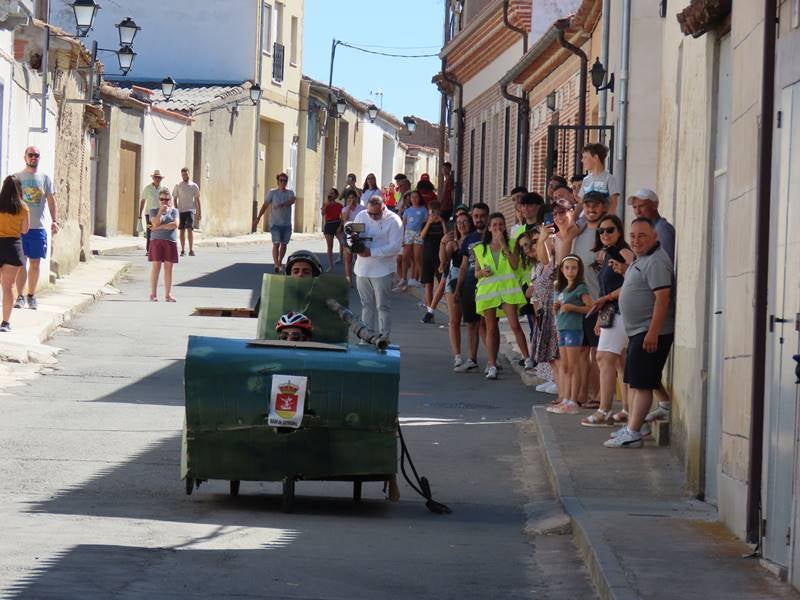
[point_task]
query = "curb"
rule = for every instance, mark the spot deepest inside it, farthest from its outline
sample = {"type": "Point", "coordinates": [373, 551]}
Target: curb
{"type": "Point", "coordinates": [608, 575]}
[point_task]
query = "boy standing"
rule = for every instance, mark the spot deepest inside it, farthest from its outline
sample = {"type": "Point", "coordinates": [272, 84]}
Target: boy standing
{"type": "Point", "coordinates": [597, 178]}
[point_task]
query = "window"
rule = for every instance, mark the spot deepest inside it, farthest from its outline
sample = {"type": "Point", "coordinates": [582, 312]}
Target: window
{"type": "Point", "coordinates": [279, 23]}
{"type": "Point", "coordinates": [506, 149]}
{"type": "Point", "coordinates": [483, 159]}
{"type": "Point", "coordinates": [293, 43]}
{"type": "Point", "coordinates": [266, 28]}
{"type": "Point", "coordinates": [277, 61]}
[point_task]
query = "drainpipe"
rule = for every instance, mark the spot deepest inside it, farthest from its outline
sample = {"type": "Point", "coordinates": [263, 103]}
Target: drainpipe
{"type": "Point", "coordinates": [257, 128]}
{"type": "Point", "coordinates": [562, 25]}
{"type": "Point", "coordinates": [763, 239]}
{"type": "Point", "coordinates": [622, 115]}
{"type": "Point", "coordinates": [523, 109]}
{"type": "Point", "coordinates": [603, 98]}
{"type": "Point", "coordinates": [458, 169]}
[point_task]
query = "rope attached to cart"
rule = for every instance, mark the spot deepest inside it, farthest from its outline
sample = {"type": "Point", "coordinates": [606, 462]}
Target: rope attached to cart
{"type": "Point", "coordinates": [423, 487]}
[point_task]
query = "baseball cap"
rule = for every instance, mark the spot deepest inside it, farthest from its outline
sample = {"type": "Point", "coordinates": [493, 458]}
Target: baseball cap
{"type": "Point", "coordinates": [531, 198]}
{"type": "Point", "coordinates": [461, 207]}
{"type": "Point", "coordinates": [644, 194]}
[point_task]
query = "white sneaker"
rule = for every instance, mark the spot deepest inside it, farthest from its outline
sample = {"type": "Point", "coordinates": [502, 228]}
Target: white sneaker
{"type": "Point", "coordinates": [401, 286]}
{"type": "Point", "coordinates": [20, 303]}
{"type": "Point", "coordinates": [491, 372]}
{"type": "Point", "coordinates": [457, 361]}
{"type": "Point", "coordinates": [644, 431]}
{"type": "Point", "coordinates": [529, 364]}
{"type": "Point", "coordinates": [551, 388]}
{"type": "Point", "coordinates": [414, 283]}
{"type": "Point", "coordinates": [625, 439]}
{"type": "Point", "coordinates": [543, 386]}
{"type": "Point", "coordinates": [467, 366]}
{"type": "Point", "coordinates": [659, 413]}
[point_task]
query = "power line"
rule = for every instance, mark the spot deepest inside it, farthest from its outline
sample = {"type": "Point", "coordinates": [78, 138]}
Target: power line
{"type": "Point", "coordinates": [401, 47]}
{"type": "Point", "coordinates": [360, 49]}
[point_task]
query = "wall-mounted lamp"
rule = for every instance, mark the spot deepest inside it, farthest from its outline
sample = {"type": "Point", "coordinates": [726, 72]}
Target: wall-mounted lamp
{"type": "Point", "coordinates": [125, 56]}
{"type": "Point", "coordinates": [598, 73]}
{"type": "Point", "coordinates": [127, 31]}
{"type": "Point", "coordinates": [411, 124]}
{"type": "Point", "coordinates": [340, 106]}
{"type": "Point", "coordinates": [662, 8]}
{"type": "Point", "coordinates": [372, 113]}
{"type": "Point", "coordinates": [255, 93]}
{"type": "Point", "coordinates": [551, 101]}
{"type": "Point", "coordinates": [85, 12]}
{"type": "Point", "coordinates": [168, 87]}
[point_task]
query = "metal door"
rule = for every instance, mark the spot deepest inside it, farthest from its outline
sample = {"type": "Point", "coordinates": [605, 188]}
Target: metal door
{"type": "Point", "coordinates": [782, 341]}
{"type": "Point", "coordinates": [716, 358]}
{"type": "Point", "coordinates": [128, 202]}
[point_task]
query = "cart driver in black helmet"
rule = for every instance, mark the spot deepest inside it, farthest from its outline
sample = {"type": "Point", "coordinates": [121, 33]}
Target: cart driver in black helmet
{"type": "Point", "coordinates": [303, 263]}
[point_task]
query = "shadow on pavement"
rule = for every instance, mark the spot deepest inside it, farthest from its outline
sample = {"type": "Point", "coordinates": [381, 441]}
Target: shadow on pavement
{"type": "Point", "coordinates": [163, 387]}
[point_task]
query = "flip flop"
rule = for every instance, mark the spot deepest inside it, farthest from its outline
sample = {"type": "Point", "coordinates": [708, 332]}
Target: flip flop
{"type": "Point", "coordinates": [153, 298]}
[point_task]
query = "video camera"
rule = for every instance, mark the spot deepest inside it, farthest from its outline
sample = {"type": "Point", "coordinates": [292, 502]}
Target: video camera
{"type": "Point", "coordinates": [355, 241]}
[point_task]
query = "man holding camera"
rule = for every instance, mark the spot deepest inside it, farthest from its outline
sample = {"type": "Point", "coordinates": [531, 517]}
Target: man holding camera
{"type": "Point", "coordinates": [375, 265]}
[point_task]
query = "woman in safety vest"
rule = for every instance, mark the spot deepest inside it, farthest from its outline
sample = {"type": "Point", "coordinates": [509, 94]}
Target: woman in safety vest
{"type": "Point", "coordinates": [498, 290]}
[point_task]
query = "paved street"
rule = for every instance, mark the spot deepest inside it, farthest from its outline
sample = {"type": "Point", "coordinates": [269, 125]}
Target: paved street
{"type": "Point", "coordinates": [92, 505]}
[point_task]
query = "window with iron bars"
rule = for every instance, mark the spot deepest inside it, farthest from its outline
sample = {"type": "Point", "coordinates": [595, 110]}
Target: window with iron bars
{"type": "Point", "coordinates": [277, 61]}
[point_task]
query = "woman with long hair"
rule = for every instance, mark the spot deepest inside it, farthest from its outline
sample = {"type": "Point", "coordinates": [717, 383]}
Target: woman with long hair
{"type": "Point", "coordinates": [332, 213]}
{"type": "Point", "coordinates": [498, 290]}
{"type": "Point", "coordinates": [370, 189]}
{"type": "Point", "coordinates": [544, 345]}
{"type": "Point", "coordinates": [610, 246]}
{"type": "Point", "coordinates": [14, 221]}
{"type": "Point", "coordinates": [414, 219]}
{"type": "Point", "coordinates": [450, 256]}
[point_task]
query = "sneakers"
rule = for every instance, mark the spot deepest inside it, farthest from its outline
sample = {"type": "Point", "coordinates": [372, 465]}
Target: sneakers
{"type": "Point", "coordinates": [543, 386]}
{"type": "Point", "coordinates": [20, 303]}
{"type": "Point", "coordinates": [529, 365]}
{"type": "Point", "coordinates": [33, 304]}
{"type": "Point", "coordinates": [183, 252]}
{"type": "Point", "coordinates": [565, 407]}
{"type": "Point", "coordinates": [427, 317]}
{"type": "Point", "coordinates": [414, 283]}
{"type": "Point", "coordinates": [660, 413]}
{"type": "Point", "coordinates": [551, 388]}
{"type": "Point", "coordinates": [491, 372]}
{"type": "Point", "coordinates": [5, 326]}
{"type": "Point", "coordinates": [466, 366]}
{"type": "Point", "coordinates": [624, 438]}
{"type": "Point", "coordinates": [401, 286]}
{"type": "Point", "coordinates": [457, 361]}
{"type": "Point", "coordinates": [645, 431]}
{"type": "Point", "coordinates": [191, 252]}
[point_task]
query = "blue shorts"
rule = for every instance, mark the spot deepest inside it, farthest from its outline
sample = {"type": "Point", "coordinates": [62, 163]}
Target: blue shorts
{"type": "Point", "coordinates": [34, 243]}
{"type": "Point", "coordinates": [281, 234]}
{"type": "Point", "coordinates": [570, 338]}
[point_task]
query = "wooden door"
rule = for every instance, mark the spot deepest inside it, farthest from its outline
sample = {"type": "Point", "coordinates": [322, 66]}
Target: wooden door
{"type": "Point", "coordinates": [128, 189]}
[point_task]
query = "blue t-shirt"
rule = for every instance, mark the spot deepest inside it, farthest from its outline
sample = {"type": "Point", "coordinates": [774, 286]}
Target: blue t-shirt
{"type": "Point", "coordinates": [415, 217]}
{"type": "Point", "coordinates": [571, 321]}
{"type": "Point", "coordinates": [466, 250]}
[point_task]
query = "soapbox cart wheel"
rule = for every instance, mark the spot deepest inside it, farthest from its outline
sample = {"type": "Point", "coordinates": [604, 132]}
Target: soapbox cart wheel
{"type": "Point", "coordinates": [189, 485]}
{"type": "Point", "coordinates": [235, 487]}
{"type": "Point", "coordinates": [288, 494]}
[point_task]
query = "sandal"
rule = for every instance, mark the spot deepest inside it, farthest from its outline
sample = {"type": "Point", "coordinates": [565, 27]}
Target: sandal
{"type": "Point", "coordinates": [620, 417]}
{"type": "Point", "coordinates": [170, 298]}
{"type": "Point", "coordinates": [153, 298]}
{"type": "Point", "coordinates": [566, 407]}
{"type": "Point", "coordinates": [600, 418]}
{"type": "Point", "coordinates": [591, 403]}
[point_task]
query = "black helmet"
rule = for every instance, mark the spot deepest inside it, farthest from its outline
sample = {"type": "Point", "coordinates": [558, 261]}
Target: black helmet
{"type": "Point", "coordinates": [304, 256]}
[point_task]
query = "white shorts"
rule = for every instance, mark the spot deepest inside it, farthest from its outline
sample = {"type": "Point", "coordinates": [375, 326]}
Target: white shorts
{"type": "Point", "coordinates": [613, 339]}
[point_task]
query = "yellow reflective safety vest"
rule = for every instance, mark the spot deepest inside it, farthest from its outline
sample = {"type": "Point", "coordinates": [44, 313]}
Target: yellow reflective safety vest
{"type": "Point", "coordinates": [501, 287]}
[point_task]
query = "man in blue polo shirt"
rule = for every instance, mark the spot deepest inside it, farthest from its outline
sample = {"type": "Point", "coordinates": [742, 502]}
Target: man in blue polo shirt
{"type": "Point", "coordinates": [37, 191]}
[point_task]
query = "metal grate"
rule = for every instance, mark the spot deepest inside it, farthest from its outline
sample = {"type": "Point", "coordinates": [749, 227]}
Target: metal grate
{"type": "Point", "coordinates": [564, 145]}
{"type": "Point", "coordinates": [277, 61]}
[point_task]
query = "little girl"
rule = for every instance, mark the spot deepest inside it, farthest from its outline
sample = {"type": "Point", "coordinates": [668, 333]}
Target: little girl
{"type": "Point", "coordinates": [570, 303]}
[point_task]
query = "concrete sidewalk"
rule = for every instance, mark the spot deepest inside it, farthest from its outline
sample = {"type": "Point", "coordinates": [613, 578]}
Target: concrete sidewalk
{"type": "Point", "coordinates": [640, 533]}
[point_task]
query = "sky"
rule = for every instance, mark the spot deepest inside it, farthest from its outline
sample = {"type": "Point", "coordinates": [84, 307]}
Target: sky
{"type": "Point", "coordinates": [409, 26]}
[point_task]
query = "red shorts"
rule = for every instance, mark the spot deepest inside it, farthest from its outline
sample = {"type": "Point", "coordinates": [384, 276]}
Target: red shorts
{"type": "Point", "coordinates": [163, 251]}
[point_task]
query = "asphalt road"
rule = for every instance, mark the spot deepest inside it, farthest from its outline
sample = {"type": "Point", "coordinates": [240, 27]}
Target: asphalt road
{"type": "Point", "coordinates": [92, 506]}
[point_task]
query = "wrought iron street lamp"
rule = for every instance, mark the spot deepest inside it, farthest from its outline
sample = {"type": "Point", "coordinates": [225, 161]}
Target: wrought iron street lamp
{"type": "Point", "coordinates": [127, 31]}
{"type": "Point", "coordinates": [411, 124]}
{"type": "Point", "coordinates": [125, 56]}
{"type": "Point", "coordinates": [85, 12]}
{"type": "Point", "coordinates": [255, 93]}
{"type": "Point", "coordinates": [372, 112]}
{"type": "Point", "coordinates": [168, 87]}
{"type": "Point", "coordinates": [598, 72]}
{"type": "Point", "coordinates": [341, 107]}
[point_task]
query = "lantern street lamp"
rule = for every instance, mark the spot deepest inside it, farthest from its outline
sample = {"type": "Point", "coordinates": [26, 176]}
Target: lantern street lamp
{"type": "Point", "coordinates": [125, 56]}
{"type": "Point", "coordinates": [411, 124]}
{"type": "Point", "coordinates": [372, 113]}
{"type": "Point", "coordinates": [551, 101]}
{"type": "Point", "coordinates": [598, 73]}
{"type": "Point", "coordinates": [255, 93]}
{"type": "Point", "coordinates": [85, 12]}
{"type": "Point", "coordinates": [127, 31]}
{"type": "Point", "coordinates": [168, 87]}
{"type": "Point", "coordinates": [341, 107]}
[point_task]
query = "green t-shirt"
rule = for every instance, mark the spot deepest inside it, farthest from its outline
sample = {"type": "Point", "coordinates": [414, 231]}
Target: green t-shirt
{"type": "Point", "coordinates": [571, 321]}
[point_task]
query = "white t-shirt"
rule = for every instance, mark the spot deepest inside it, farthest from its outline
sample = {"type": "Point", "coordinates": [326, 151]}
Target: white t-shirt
{"type": "Point", "coordinates": [186, 195]}
{"type": "Point", "coordinates": [604, 182]}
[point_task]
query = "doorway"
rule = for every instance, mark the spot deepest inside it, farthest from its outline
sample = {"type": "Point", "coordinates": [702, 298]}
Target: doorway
{"type": "Point", "coordinates": [129, 165]}
{"type": "Point", "coordinates": [716, 327]}
{"type": "Point", "coordinates": [783, 341]}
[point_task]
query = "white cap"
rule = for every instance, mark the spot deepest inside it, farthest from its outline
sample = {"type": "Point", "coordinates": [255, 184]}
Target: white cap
{"type": "Point", "coordinates": [644, 194]}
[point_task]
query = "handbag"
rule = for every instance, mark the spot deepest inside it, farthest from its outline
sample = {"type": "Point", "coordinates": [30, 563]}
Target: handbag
{"type": "Point", "coordinates": [606, 315]}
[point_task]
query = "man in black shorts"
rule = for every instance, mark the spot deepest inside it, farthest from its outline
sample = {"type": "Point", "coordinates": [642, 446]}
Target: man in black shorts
{"type": "Point", "coordinates": [648, 312]}
{"type": "Point", "coordinates": [466, 285]}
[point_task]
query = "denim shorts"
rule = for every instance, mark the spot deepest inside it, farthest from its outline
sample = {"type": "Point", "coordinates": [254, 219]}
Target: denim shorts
{"type": "Point", "coordinates": [570, 338]}
{"type": "Point", "coordinates": [281, 234]}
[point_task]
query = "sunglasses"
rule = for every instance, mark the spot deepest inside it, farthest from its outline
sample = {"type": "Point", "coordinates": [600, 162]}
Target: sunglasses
{"type": "Point", "coordinates": [605, 230]}
{"type": "Point", "coordinates": [290, 336]}
{"type": "Point", "coordinates": [164, 199]}
{"type": "Point", "coordinates": [32, 155]}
